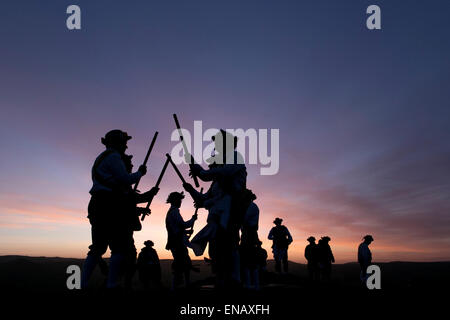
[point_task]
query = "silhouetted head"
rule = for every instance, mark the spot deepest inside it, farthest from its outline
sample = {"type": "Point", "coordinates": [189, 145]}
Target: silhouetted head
{"type": "Point", "coordinates": [368, 239]}
{"type": "Point", "coordinates": [277, 221]}
{"type": "Point", "coordinates": [116, 139]}
{"type": "Point", "coordinates": [311, 239]}
{"type": "Point", "coordinates": [175, 198]}
{"type": "Point", "coordinates": [326, 239]}
{"type": "Point", "coordinates": [223, 140]}
{"type": "Point", "coordinates": [148, 243]}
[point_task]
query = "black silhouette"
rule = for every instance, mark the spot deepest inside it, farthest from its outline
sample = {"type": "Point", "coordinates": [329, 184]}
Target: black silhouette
{"type": "Point", "coordinates": [148, 266]}
{"type": "Point", "coordinates": [325, 257]}
{"type": "Point", "coordinates": [158, 182]}
{"type": "Point", "coordinates": [281, 241]}
{"type": "Point", "coordinates": [112, 209]}
{"type": "Point", "coordinates": [262, 262]}
{"type": "Point", "coordinates": [227, 203]}
{"type": "Point", "coordinates": [249, 249]}
{"type": "Point", "coordinates": [365, 256]}
{"type": "Point", "coordinates": [191, 160]}
{"type": "Point", "coordinates": [311, 256]}
{"type": "Point", "coordinates": [176, 231]}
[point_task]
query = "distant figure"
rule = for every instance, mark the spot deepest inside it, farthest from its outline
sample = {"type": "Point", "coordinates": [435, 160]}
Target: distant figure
{"type": "Point", "coordinates": [176, 231]}
{"type": "Point", "coordinates": [281, 241]}
{"type": "Point", "coordinates": [365, 256]}
{"type": "Point", "coordinates": [325, 257]}
{"type": "Point", "coordinates": [261, 254]}
{"type": "Point", "coordinates": [311, 257]}
{"type": "Point", "coordinates": [248, 249]}
{"type": "Point", "coordinates": [148, 266]}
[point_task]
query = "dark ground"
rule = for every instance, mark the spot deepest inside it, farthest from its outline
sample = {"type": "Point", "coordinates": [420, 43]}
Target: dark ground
{"type": "Point", "coordinates": [39, 283]}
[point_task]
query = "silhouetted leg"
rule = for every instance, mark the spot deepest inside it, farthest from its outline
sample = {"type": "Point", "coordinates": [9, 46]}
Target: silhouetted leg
{"type": "Point", "coordinates": [187, 277]}
{"type": "Point", "coordinates": [179, 265]}
{"type": "Point", "coordinates": [103, 267]}
{"type": "Point", "coordinates": [246, 276]}
{"type": "Point", "coordinates": [115, 267]}
{"type": "Point", "coordinates": [119, 254]}
{"type": "Point", "coordinates": [130, 268]}
{"type": "Point", "coordinates": [256, 278]}
{"type": "Point", "coordinates": [236, 266]}
{"type": "Point", "coordinates": [277, 264]}
{"type": "Point", "coordinates": [88, 268]}
{"type": "Point", "coordinates": [285, 261]}
{"type": "Point", "coordinates": [96, 250]}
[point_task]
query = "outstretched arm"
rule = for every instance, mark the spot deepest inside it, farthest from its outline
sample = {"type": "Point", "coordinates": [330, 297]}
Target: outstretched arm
{"type": "Point", "coordinates": [289, 236]}
{"type": "Point", "coordinates": [270, 237]}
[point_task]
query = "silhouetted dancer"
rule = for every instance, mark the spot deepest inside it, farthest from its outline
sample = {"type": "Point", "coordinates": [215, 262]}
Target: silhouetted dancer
{"type": "Point", "coordinates": [262, 261]}
{"type": "Point", "coordinates": [325, 257]}
{"type": "Point", "coordinates": [228, 175]}
{"type": "Point", "coordinates": [249, 244]}
{"type": "Point", "coordinates": [281, 241]}
{"type": "Point", "coordinates": [365, 257]}
{"type": "Point", "coordinates": [109, 205]}
{"type": "Point", "coordinates": [176, 230]}
{"type": "Point", "coordinates": [149, 267]}
{"type": "Point", "coordinates": [311, 257]}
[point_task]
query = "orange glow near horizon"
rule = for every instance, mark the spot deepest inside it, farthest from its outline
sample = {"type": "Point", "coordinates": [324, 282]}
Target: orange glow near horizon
{"type": "Point", "coordinates": [42, 225]}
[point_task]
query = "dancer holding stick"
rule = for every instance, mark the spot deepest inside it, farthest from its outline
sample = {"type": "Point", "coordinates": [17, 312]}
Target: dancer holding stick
{"type": "Point", "coordinates": [186, 151]}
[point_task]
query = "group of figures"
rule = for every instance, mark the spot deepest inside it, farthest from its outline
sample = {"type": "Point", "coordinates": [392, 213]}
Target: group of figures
{"type": "Point", "coordinates": [320, 258]}
{"type": "Point", "coordinates": [231, 232]}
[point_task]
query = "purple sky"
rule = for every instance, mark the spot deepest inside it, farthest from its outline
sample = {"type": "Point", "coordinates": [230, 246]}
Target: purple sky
{"type": "Point", "coordinates": [363, 115]}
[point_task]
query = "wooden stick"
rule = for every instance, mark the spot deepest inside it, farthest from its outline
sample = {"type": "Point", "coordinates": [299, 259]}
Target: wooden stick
{"type": "Point", "coordinates": [186, 151]}
{"type": "Point", "coordinates": [175, 167]}
{"type": "Point", "coordinates": [156, 186]}
{"type": "Point", "coordinates": [146, 157]}
{"type": "Point", "coordinates": [195, 213]}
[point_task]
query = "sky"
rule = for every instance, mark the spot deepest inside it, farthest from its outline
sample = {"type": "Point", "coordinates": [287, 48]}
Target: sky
{"type": "Point", "coordinates": [363, 115]}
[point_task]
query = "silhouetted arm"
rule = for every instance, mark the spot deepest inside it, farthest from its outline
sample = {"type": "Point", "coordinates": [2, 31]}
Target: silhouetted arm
{"type": "Point", "coordinates": [119, 173]}
{"type": "Point", "coordinates": [289, 237]}
{"type": "Point", "coordinates": [270, 237]}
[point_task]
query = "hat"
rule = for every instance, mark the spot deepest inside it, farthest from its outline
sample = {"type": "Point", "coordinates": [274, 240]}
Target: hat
{"type": "Point", "coordinates": [326, 238]}
{"type": "Point", "coordinates": [368, 237]}
{"type": "Point", "coordinates": [148, 243]}
{"type": "Point", "coordinates": [175, 196]}
{"type": "Point", "coordinates": [277, 221]}
{"type": "Point", "coordinates": [115, 136]}
{"type": "Point", "coordinates": [311, 239]}
{"type": "Point", "coordinates": [226, 136]}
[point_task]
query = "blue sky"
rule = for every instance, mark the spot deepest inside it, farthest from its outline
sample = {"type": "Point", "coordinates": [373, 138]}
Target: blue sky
{"type": "Point", "coordinates": [363, 115]}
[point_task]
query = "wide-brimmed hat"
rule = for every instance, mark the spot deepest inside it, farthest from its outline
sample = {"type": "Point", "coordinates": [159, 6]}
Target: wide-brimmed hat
{"type": "Point", "coordinates": [311, 239]}
{"type": "Point", "coordinates": [277, 220]}
{"type": "Point", "coordinates": [326, 238]}
{"type": "Point", "coordinates": [148, 243]}
{"type": "Point", "coordinates": [115, 136]}
{"type": "Point", "coordinates": [368, 237]}
{"type": "Point", "coordinates": [223, 134]}
{"type": "Point", "coordinates": [173, 196]}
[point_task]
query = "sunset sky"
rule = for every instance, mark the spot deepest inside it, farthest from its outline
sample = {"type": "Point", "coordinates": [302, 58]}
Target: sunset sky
{"type": "Point", "coordinates": [364, 116]}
